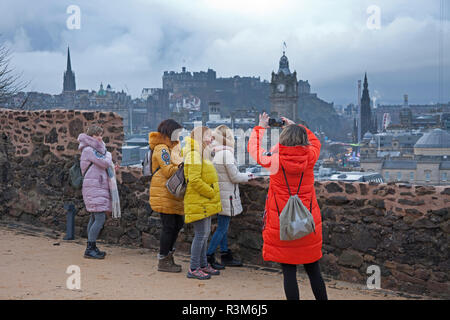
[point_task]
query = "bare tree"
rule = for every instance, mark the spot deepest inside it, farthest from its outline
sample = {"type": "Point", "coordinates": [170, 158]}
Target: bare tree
{"type": "Point", "coordinates": [10, 82]}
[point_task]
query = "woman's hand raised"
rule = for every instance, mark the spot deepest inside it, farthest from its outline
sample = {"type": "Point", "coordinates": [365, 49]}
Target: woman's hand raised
{"type": "Point", "coordinates": [264, 120]}
{"type": "Point", "coordinates": [287, 121]}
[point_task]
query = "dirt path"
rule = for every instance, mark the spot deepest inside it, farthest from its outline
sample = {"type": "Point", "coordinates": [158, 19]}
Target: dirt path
{"type": "Point", "coordinates": [33, 265]}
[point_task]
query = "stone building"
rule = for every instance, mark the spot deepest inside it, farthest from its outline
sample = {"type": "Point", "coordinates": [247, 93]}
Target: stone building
{"type": "Point", "coordinates": [293, 99]}
{"type": "Point", "coordinates": [284, 91]}
{"type": "Point", "coordinates": [69, 76]}
{"type": "Point", "coordinates": [368, 121]}
{"type": "Point", "coordinates": [157, 107]}
{"type": "Point", "coordinates": [390, 143]}
{"type": "Point", "coordinates": [232, 92]}
{"type": "Point", "coordinates": [411, 116]}
{"type": "Point", "coordinates": [429, 162]}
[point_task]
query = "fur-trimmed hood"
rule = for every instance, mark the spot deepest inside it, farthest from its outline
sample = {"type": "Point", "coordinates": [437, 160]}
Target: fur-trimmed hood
{"type": "Point", "coordinates": [155, 138]}
{"type": "Point", "coordinates": [88, 141]}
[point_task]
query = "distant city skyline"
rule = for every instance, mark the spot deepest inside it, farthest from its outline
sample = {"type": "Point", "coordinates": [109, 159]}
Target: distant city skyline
{"type": "Point", "coordinates": [328, 43]}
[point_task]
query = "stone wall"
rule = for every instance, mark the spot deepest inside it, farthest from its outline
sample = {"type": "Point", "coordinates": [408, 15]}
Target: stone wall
{"type": "Point", "coordinates": [404, 229]}
{"type": "Point", "coordinates": [58, 130]}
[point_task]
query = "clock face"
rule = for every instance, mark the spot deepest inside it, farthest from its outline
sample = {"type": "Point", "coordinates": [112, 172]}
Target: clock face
{"type": "Point", "coordinates": [280, 87]}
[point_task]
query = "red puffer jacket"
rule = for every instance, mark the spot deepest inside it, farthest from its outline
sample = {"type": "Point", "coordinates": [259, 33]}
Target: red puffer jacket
{"type": "Point", "coordinates": [294, 160]}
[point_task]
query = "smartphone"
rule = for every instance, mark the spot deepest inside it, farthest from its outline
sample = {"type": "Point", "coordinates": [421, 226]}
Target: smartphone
{"type": "Point", "coordinates": [276, 122]}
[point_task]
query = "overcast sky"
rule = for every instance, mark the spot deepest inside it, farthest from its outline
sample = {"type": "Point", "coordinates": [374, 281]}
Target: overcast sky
{"type": "Point", "coordinates": [131, 43]}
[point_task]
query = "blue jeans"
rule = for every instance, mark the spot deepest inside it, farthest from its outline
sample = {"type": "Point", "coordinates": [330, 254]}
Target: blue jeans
{"type": "Point", "coordinates": [220, 236]}
{"type": "Point", "coordinates": [202, 229]}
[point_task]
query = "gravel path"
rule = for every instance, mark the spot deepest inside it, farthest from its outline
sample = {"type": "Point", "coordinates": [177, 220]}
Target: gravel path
{"type": "Point", "coordinates": [33, 265]}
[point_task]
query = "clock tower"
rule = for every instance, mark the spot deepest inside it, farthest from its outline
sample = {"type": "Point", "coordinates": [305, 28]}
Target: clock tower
{"type": "Point", "coordinates": [284, 91]}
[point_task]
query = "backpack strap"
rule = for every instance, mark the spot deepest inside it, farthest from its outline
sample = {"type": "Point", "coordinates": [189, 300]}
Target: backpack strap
{"type": "Point", "coordinates": [92, 162]}
{"type": "Point", "coordinates": [301, 178]}
{"type": "Point", "coordinates": [87, 169]}
{"type": "Point", "coordinates": [155, 170]}
{"type": "Point", "coordinates": [285, 179]}
{"type": "Point", "coordinates": [287, 184]}
{"type": "Point", "coordinates": [276, 203]}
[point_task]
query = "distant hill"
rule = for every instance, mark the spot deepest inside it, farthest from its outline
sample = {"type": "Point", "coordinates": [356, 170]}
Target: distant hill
{"type": "Point", "coordinates": [320, 115]}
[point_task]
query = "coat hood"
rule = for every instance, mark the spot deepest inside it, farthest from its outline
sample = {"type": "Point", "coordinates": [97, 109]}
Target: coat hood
{"type": "Point", "coordinates": [155, 138]}
{"type": "Point", "coordinates": [293, 159]}
{"type": "Point", "coordinates": [88, 141]}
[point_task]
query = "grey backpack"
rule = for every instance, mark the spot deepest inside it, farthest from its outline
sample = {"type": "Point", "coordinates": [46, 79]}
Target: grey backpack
{"type": "Point", "coordinates": [147, 165]}
{"type": "Point", "coordinates": [76, 177]}
{"type": "Point", "coordinates": [296, 221]}
{"type": "Point", "coordinates": [176, 184]}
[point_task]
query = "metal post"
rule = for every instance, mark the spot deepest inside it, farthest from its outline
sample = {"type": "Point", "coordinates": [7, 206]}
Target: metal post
{"type": "Point", "coordinates": [70, 220]}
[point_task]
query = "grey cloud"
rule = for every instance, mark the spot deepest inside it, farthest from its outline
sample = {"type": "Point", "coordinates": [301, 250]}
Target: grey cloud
{"type": "Point", "coordinates": [133, 42]}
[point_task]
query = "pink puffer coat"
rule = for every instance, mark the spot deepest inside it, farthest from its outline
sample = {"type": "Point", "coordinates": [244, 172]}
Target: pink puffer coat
{"type": "Point", "coordinates": [96, 195]}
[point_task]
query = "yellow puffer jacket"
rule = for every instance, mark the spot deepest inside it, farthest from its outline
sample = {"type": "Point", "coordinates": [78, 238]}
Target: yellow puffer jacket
{"type": "Point", "coordinates": [166, 157]}
{"type": "Point", "coordinates": [202, 198]}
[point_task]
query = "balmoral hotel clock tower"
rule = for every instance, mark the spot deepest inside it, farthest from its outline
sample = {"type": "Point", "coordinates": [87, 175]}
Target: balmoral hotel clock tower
{"type": "Point", "coordinates": [284, 91]}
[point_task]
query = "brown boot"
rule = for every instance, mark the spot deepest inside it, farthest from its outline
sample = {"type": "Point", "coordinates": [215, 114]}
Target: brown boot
{"type": "Point", "coordinates": [166, 265]}
{"type": "Point", "coordinates": [173, 261]}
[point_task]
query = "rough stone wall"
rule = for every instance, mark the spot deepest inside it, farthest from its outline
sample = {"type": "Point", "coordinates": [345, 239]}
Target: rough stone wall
{"type": "Point", "coordinates": [58, 130]}
{"type": "Point", "coordinates": [404, 229]}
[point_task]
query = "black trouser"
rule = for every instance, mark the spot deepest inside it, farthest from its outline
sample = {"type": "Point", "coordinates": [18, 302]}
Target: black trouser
{"type": "Point", "coordinates": [315, 278]}
{"type": "Point", "coordinates": [171, 226]}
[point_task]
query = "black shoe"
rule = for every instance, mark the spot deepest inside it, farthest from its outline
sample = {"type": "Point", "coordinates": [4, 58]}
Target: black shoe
{"type": "Point", "coordinates": [228, 261]}
{"type": "Point", "coordinates": [102, 253]}
{"type": "Point", "coordinates": [91, 253]}
{"type": "Point", "coordinates": [214, 263]}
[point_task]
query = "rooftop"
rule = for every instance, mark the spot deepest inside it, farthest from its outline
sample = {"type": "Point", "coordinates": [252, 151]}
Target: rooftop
{"type": "Point", "coordinates": [400, 164]}
{"type": "Point", "coordinates": [445, 165]}
{"type": "Point", "coordinates": [436, 138]}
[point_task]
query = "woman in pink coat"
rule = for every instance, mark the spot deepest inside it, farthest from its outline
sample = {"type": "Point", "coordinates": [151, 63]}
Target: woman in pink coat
{"type": "Point", "coordinates": [94, 163]}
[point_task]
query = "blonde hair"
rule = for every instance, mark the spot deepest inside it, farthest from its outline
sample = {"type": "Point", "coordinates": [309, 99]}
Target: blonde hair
{"type": "Point", "coordinates": [224, 136]}
{"type": "Point", "coordinates": [197, 134]}
{"type": "Point", "coordinates": [294, 135]}
{"type": "Point", "coordinates": [94, 131]}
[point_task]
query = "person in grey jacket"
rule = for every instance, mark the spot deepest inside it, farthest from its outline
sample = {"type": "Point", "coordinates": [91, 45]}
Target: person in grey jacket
{"type": "Point", "coordinates": [229, 178]}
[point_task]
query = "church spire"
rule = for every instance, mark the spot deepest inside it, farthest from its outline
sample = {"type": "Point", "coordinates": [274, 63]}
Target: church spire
{"type": "Point", "coordinates": [69, 76]}
{"type": "Point", "coordinates": [365, 94]}
{"type": "Point", "coordinates": [69, 65]}
{"type": "Point", "coordinates": [366, 84]}
{"type": "Point", "coordinates": [367, 124]}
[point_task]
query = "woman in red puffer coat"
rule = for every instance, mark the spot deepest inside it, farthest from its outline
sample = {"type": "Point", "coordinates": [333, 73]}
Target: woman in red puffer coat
{"type": "Point", "coordinates": [297, 152]}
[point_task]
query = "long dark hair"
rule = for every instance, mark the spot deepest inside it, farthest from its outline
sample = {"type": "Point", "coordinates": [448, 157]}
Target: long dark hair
{"type": "Point", "coordinates": [168, 126]}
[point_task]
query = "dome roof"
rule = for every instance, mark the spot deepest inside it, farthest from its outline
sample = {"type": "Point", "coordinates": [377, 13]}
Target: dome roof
{"type": "Point", "coordinates": [436, 138]}
{"type": "Point", "coordinates": [368, 135]}
{"type": "Point", "coordinates": [101, 91]}
{"type": "Point", "coordinates": [284, 65]}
